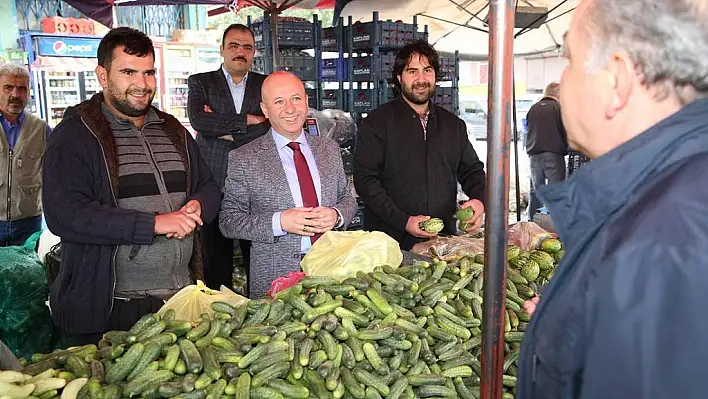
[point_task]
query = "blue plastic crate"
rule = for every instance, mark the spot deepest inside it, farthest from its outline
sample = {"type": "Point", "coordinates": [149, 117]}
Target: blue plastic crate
{"type": "Point", "coordinates": [371, 68]}
{"type": "Point", "coordinates": [335, 70]}
{"type": "Point", "coordinates": [290, 34]}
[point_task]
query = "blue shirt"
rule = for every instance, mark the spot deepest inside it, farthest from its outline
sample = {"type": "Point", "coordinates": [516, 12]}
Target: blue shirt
{"type": "Point", "coordinates": [12, 132]}
{"type": "Point", "coordinates": [286, 158]}
{"type": "Point", "coordinates": [238, 90]}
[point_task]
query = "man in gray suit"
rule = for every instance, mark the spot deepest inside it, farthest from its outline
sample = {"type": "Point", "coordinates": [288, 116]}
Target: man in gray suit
{"type": "Point", "coordinates": [284, 189]}
{"type": "Point", "coordinates": [224, 108]}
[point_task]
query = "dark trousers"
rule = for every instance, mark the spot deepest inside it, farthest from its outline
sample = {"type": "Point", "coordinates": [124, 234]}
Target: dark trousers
{"type": "Point", "coordinates": [16, 232]}
{"type": "Point", "coordinates": [124, 315]}
{"type": "Point", "coordinates": [219, 256]}
{"type": "Point", "coordinates": [546, 167]}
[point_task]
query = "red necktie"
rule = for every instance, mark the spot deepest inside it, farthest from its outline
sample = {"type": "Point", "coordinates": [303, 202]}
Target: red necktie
{"type": "Point", "coordinates": [307, 186]}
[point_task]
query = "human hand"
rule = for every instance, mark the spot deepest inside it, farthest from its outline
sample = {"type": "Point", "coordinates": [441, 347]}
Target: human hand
{"type": "Point", "coordinates": [324, 219]}
{"type": "Point", "coordinates": [413, 227]}
{"type": "Point", "coordinates": [297, 221]}
{"type": "Point", "coordinates": [255, 119]}
{"type": "Point", "coordinates": [193, 207]}
{"type": "Point", "coordinates": [208, 109]}
{"type": "Point", "coordinates": [476, 221]}
{"type": "Point", "coordinates": [530, 305]}
{"type": "Point", "coordinates": [177, 224]}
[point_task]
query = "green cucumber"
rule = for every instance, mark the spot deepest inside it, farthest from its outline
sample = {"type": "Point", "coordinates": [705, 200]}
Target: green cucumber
{"type": "Point", "coordinates": [209, 363]}
{"type": "Point", "coordinates": [370, 380]}
{"type": "Point", "coordinates": [127, 363]}
{"type": "Point", "coordinates": [142, 324]}
{"type": "Point", "coordinates": [190, 355]}
{"type": "Point", "coordinates": [289, 390]}
{"type": "Point", "coordinates": [243, 386]}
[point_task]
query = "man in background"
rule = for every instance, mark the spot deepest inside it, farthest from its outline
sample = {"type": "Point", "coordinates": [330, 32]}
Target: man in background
{"type": "Point", "coordinates": [546, 144]}
{"type": "Point", "coordinates": [22, 144]}
{"type": "Point", "coordinates": [224, 109]}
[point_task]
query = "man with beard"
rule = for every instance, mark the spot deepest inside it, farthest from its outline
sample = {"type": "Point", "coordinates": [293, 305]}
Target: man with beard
{"type": "Point", "coordinates": [22, 144]}
{"type": "Point", "coordinates": [224, 108]}
{"type": "Point", "coordinates": [125, 187]}
{"type": "Point", "coordinates": [411, 154]}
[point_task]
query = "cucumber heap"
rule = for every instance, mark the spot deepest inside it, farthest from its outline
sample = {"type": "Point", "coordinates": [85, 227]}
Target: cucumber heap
{"type": "Point", "coordinates": [395, 333]}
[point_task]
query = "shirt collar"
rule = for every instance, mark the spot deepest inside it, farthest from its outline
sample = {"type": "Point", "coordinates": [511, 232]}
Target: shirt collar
{"type": "Point", "coordinates": [20, 119]}
{"type": "Point", "coordinates": [282, 141]}
{"type": "Point", "coordinates": [231, 80]}
{"type": "Point", "coordinates": [404, 106]}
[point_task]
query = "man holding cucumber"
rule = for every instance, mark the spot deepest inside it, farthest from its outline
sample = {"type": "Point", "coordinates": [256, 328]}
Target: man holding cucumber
{"type": "Point", "coordinates": [411, 154]}
{"type": "Point", "coordinates": [623, 316]}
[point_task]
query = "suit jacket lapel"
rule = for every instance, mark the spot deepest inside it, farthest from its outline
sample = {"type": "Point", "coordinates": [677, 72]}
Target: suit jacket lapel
{"type": "Point", "coordinates": [222, 85]}
{"type": "Point", "coordinates": [327, 187]}
{"type": "Point", "coordinates": [250, 96]}
{"type": "Point", "coordinates": [272, 167]}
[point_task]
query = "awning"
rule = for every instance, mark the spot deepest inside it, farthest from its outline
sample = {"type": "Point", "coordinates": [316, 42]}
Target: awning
{"type": "Point", "coordinates": [61, 64]}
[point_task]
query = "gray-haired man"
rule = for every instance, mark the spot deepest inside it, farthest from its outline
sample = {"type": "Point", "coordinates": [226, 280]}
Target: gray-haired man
{"type": "Point", "coordinates": [621, 316]}
{"type": "Point", "coordinates": [21, 147]}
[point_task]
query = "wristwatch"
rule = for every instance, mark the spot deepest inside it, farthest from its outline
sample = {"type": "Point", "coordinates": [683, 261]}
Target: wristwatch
{"type": "Point", "coordinates": [338, 224]}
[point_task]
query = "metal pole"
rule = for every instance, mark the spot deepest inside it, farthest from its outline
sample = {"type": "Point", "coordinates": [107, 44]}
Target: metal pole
{"type": "Point", "coordinates": [501, 58]}
{"type": "Point", "coordinates": [516, 151]}
{"type": "Point", "coordinates": [114, 15]}
{"type": "Point", "coordinates": [274, 11]}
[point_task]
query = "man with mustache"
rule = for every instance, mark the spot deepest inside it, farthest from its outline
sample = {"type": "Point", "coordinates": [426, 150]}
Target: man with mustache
{"type": "Point", "coordinates": [284, 189]}
{"type": "Point", "coordinates": [21, 147]}
{"type": "Point", "coordinates": [125, 187]}
{"type": "Point", "coordinates": [224, 108]}
{"type": "Point", "coordinates": [411, 154]}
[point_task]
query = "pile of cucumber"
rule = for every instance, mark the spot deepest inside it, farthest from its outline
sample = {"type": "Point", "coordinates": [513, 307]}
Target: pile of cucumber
{"type": "Point", "coordinates": [398, 333]}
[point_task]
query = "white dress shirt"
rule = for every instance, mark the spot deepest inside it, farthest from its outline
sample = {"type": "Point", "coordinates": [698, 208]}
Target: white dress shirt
{"type": "Point", "coordinates": [286, 157]}
{"type": "Point", "coordinates": [238, 90]}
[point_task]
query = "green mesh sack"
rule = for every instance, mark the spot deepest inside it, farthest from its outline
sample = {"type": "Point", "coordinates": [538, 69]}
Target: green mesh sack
{"type": "Point", "coordinates": [25, 324]}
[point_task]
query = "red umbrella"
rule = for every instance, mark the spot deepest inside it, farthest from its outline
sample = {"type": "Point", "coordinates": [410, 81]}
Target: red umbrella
{"type": "Point", "coordinates": [102, 10]}
{"type": "Point", "coordinates": [274, 5]}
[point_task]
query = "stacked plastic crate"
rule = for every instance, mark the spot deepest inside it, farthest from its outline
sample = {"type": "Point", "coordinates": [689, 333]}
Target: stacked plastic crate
{"type": "Point", "coordinates": [299, 51]}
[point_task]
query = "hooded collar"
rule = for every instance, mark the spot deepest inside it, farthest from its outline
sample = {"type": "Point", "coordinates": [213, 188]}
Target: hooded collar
{"type": "Point", "coordinates": [601, 187]}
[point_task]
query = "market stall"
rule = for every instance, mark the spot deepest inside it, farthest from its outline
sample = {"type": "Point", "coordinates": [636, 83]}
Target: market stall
{"type": "Point", "coordinates": [394, 313]}
{"type": "Point", "coordinates": [370, 329]}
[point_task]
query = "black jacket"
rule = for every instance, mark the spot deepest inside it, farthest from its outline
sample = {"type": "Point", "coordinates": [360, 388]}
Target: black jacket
{"type": "Point", "coordinates": [620, 317]}
{"type": "Point", "coordinates": [545, 128]}
{"type": "Point", "coordinates": [212, 89]}
{"type": "Point", "coordinates": [80, 184]}
{"type": "Point", "coordinates": [398, 173]}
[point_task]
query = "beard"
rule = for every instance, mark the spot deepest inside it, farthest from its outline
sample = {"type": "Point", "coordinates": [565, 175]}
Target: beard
{"type": "Point", "coordinates": [418, 98]}
{"type": "Point", "coordinates": [121, 101]}
{"type": "Point", "coordinates": [15, 105]}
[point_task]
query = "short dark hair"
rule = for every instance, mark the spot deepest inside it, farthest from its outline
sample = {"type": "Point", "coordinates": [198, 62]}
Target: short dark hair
{"type": "Point", "coordinates": [403, 57]}
{"type": "Point", "coordinates": [134, 42]}
{"type": "Point", "coordinates": [241, 27]}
